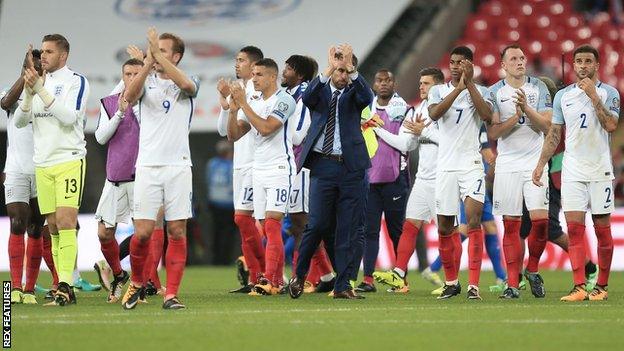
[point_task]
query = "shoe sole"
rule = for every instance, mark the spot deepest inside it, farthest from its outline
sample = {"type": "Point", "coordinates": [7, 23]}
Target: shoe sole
{"type": "Point", "coordinates": [99, 274]}
{"type": "Point", "coordinates": [385, 282]}
{"type": "Point", "coordinates": [538, 294]}
{"type": "Point", "coordinates": [294, 295]}
{"type": "Point", "coordinates": [261, 291]}
{"type": "Point", "coordinates": [364, 291]}
{"type": "Point", "coordinates": [446, 297]}
{"type": "Point", "coordinates": [242, 275]}
{"type": "Point", "coordinates": [127, 306]}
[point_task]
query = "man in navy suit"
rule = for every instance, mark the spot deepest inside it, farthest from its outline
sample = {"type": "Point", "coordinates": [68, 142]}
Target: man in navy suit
{"type": "Point", "coordinates": [335, 153]}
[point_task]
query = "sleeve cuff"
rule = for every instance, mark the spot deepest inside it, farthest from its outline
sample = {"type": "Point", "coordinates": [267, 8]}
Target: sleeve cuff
{"type": "Point", "coordinates": [353, 76]}
{"type": "Point", "coordinates": [323, 79]}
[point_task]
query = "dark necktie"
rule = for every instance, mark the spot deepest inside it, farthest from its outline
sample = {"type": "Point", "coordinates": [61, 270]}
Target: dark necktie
{"type": "Point", "coordinates": [328, 142]}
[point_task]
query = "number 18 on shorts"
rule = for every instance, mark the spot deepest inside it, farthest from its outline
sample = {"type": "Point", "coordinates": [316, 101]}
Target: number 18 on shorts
{"type": "Point", "coordinates": [270, 193]}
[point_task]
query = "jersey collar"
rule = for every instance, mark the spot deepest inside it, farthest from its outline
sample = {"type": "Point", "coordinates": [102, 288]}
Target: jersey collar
{"type": "Point", "coordinates": [59, 73]}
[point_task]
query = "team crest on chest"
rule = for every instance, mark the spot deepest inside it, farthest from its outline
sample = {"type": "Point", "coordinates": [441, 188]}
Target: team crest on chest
{"type": "Point", "coordinates": [532, 98]}
{"type": "Point", "coordinates": [468, 99]}
{"type": "Point", "coordinates": [58, 90]}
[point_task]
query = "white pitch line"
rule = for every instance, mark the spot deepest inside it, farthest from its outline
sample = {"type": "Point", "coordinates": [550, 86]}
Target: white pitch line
{"type": "Point", "coordinates": [342, 322]}
{"type": "Point", "coordinates": [142, 313]}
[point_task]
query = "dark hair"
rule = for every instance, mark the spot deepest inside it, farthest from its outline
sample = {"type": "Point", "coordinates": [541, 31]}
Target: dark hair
{"type": "Point", "coordinates": [464, 51]}
{"type": "Point", "coordinates": [178, 43]}
{"type": "Point", "coordinates": [314, 65]}
{"type": "Point", "coordinates": [512, 46]}
{"type": "Point", "coordinates": [60, 41]}
{"type": "Point", "coordinates": [386, 71]}
{"type": "Point", "coordinates": [586, 49]}
{"type": "Point", "coordinates": [36, 54]}
{"type": "Point", "coordinates": [436, 73]}
{"type": "Point", "coordinates": [254, 53]}
{"type": "Point", "coordinates": [268, 63]}
{"type": "Point", "coordinates": [132, 62]}
{"type": "Point", "coordinates": [550, 85]}
{"type": "Point", "coordinates": [303, 65]}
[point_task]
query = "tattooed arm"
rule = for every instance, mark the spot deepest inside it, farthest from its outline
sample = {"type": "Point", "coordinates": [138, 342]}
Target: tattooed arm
{"type": "Point", "coordinates": [550, 145]}
{"type": "Point", "coordinates": [606, 118]}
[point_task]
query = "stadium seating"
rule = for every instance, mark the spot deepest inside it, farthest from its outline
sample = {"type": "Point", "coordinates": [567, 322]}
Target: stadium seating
{"type": "Point", "coordinates": [547, 30]}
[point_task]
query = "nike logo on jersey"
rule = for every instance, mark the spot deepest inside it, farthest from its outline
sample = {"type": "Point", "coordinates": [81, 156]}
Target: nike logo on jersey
{"type": "Point", "coordinates": [68, 197]}
{"type": "Point", "coordinates": [504, 100]}
{"type": "Point", "coordinates": [151, 87]}
{"type": "Point", "coordinates": [395, 198]}
{"type": "Point", "coordinates": [568, 105]}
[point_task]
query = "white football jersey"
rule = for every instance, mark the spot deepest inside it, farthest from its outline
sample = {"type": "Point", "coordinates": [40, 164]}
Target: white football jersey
{"type": "Point", "coordinates": [273, 152]}
{"type": "Point", "coordinates": [587, 155]}
{"type": "Point", "coordinates": [300, 122]}
{"type": "Point", "coordinates": [165, 114]}
{"type": "Point", "coordinates": [428, 148]}
{"type": "Point", "coordinates": [520, 149]}
{"type": "Point", "coordinates": [244, 147]}
{"type": "Point", "coordinates": [459, 130]}
{"type": "Point", "coordinates": [20, 144]}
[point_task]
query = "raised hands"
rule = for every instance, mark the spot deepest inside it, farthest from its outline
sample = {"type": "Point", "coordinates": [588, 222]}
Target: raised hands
{"type": "Point", "coordinates": [33, 82]}
{"type": "Point", "coordinates": [238, 95]}
{"type": "Point", "coordinates": [135, 52]}
{"type": "Point", "coordinates": [28, 58]}
{"type": "Point", "coordinates": [152, 40]}
{"type": "Point", "coordinates": [223, 87]}
{"type": "Point", "coordinates": [520, 99]}
{"type": "Point", "coordinates": [333, 58]}
{"type": "Point", "coordinates": [347, 56]}
{"type": "Point", "coordinates": [337, 56]}
{"type": "Point", "coordinates": [417, 126]}
{"type": "Point", "coordinates": [468, 70]}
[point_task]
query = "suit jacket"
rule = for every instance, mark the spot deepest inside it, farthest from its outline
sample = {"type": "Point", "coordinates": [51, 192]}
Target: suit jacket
{"type": "Point", "coordinates": [351, 102]}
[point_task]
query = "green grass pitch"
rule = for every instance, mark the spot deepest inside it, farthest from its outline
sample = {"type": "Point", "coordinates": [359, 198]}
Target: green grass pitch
{"type": "Point", "coordinates": [216, 320]}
